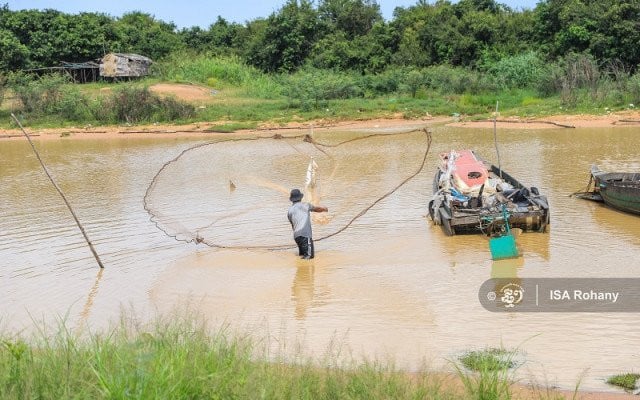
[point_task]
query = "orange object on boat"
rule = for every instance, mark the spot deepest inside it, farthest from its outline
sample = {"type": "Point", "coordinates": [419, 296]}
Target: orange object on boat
{"type": "Point", "coordinates": [467, 171]}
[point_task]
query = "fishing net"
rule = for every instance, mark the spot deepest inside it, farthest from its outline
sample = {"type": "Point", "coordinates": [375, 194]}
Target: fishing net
{"type": "Point", "coordinates": [234, 192]}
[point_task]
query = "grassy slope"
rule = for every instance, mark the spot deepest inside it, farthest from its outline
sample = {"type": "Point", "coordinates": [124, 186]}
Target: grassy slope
{"type": "Point", "coordinates": [236, 108]}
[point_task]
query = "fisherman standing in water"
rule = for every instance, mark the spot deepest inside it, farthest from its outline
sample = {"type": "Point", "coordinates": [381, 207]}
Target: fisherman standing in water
{"type": "Point", "coordinates": [300, 218]}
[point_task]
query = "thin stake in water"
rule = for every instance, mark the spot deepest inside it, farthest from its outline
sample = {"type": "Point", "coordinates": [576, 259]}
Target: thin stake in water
{"type": "Point", "coordinates": [46, 171]}
{"type": "Point", "coordinates": [495, 138]}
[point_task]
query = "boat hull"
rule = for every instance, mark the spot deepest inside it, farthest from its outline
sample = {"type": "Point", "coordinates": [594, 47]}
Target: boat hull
{"type": "Point", "coordinates": [527, 209]}
{"type": "Point", "coordinates": [619, 190]}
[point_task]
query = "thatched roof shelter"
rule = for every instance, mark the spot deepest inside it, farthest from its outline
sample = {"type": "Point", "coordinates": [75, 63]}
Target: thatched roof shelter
{"type": "Point", "coordinates": [117, 65]}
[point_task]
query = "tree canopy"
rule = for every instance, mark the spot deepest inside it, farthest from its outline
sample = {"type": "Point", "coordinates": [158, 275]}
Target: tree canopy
{"type": "Point", "coordinates": [342, 35]}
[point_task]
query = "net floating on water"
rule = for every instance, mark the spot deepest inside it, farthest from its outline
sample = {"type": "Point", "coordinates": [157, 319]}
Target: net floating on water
{"type": "Point", "coordinates": [233, 193]}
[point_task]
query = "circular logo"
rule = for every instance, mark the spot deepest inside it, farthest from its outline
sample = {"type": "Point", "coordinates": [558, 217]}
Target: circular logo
{"type": "Point", "coordinates": [511, 294]}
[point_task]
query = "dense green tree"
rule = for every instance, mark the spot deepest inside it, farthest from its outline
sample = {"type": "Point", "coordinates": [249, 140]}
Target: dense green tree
{"type": "Point", "coordinates": [608, 30]}
{"type": "Point", "coordinates": [368, 53]}
{"type": "Point", "coordinates": [355, 37]}
{"type": "Point", "coordinates": [225, 34]}
{"type": "Point", "coordinates": [439, 36]}
{"type": "Point", "coordinates": [50, 37]}
{"type": "Point", "coordinates": [195, 38]}
{"type": "Point", "coordinates": [31, 28]}
{"type": "Point", "coordinates": [408, 23]}
{"type": "Point", "coordinates": [286, 40]}
{"type": "Point", "coordinates": [222, 37]}
{"type": "Point", "coordinates": [345, 35]}
{"type": "Point", "coordinates": [409, 52]}
{"type": "Point", "coordinates": [13, 54]}
{"type": "Point", "coordinates": [351, 17]}
{"type": "Point", "coordinates": [468, 33]}
{"type": "Point", "coordinates": [141, 33]}
{"type": "Point", "coordinates": [81, 37]}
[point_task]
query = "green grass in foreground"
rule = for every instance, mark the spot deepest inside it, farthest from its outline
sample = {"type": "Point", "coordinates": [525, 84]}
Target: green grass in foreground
{"type": "Point", "coordinates": [625, 381]}
{"type": "Point", "coordinates": [179, 358]}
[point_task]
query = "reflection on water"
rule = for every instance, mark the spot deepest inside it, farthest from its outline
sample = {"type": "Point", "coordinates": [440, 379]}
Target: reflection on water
{"type": "Point", "coordinates": [506, 268]}
{"type": "Point", "coordinates": [390, 285]}
{"type": "Point", "coordinates": [86, 310]}
{"type": "Point", "coordinates": [302, 289]}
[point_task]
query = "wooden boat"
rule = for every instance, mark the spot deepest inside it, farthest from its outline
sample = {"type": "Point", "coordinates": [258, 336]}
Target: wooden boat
{"type": "Point", "coordinates": [619, 190]}
{"type": "Point", "coordinates": [470, 194]}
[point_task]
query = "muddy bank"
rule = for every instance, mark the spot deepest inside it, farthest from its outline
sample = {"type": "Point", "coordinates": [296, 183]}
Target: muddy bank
{"type": "Point", "coordinates": [521, 391]}
{"type": "Point", "coordinates": [624, 118]}
{"type": "Point", "coordinates": [208, 129]}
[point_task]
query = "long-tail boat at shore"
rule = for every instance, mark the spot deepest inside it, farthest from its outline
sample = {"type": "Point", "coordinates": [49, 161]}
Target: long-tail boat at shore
{"type": "Point", "coordinates": [471, 195]}
{"type": "Point", "coordinates": [619, 190]}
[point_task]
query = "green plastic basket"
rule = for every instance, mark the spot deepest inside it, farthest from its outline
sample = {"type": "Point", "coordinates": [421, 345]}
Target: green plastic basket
{"type": "Point", "coordinates": [503, 247]}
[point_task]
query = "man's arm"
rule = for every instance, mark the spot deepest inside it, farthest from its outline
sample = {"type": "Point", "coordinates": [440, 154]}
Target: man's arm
{"type": "Point", "coordinates": [319, 209]}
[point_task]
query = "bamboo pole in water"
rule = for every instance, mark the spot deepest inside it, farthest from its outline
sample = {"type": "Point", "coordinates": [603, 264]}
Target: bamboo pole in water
{"type": "Point", "coordinates": [46, 171]}
{"type": "Point", "coordinates": [495, 138]}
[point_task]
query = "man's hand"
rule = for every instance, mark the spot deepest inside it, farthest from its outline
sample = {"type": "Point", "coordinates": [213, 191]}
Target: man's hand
{"type": "Point", "coordinates": [320, 209]}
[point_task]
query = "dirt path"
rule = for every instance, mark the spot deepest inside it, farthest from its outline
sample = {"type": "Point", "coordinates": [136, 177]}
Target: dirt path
{"type": "Point", "coordinates": [190, 93]}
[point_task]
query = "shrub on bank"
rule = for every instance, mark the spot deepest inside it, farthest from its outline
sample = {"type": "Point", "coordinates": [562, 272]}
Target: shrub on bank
{"type": "Point", "coordinates": [575, 84]}
{"type": "Point", "coordinates": [54, 97]}
{"type": "Point", "coordinates": [3, 82]}
{"type": "Point", "coordinates": [50, 95]}
{"type": "Point", "coordinates": [312, 88]}
{"type": "Point", "coordinates": [634, 89]}
{"type": "Point", "coordinates": [217, 72]}
{"type": "Point", "coordinates": [519, 71]}
{"type": "Point", "coordinates": [133, 104]}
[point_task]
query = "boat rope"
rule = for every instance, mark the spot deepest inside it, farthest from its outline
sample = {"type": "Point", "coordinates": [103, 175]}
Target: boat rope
{"type": "Point", "coordinates": [194, 237]}
{"type": "Point", "coordinates": [64, 198]}
{"type": "Point", "coordinates": [389, 193]}
{"type": "Point", "coordinates": [586, 189]}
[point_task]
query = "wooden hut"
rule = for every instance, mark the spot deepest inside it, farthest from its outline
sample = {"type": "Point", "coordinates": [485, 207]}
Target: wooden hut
{"type": "Point", "coordinates": [78, 72]}
{"type": "Point", "coordinates": [121, 65]}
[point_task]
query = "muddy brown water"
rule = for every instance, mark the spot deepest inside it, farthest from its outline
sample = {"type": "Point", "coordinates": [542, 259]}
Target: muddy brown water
{"type": "Point", "coordinates": [391, 286]}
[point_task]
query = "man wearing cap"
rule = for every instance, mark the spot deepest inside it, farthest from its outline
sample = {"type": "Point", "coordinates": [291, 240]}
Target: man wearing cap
{"type": "Point", "coordinates": [300, 218]}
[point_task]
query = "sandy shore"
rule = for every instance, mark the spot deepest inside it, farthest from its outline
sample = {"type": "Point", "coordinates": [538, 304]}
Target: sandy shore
{"type": "Point", "coordinates": [626, 118]}
{"type": "Point", "coordinates": [207, 129]}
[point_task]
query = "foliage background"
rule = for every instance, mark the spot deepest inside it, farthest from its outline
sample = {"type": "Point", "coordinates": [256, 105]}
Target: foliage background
{"type": "Point", "coordinates": [580, 54]}
{"type": "Point", "coordinates": [340, 35]}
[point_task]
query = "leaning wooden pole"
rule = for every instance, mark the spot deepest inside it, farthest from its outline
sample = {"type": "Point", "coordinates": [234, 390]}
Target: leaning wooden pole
{"type": "Point", "coordinates": [46, 171]}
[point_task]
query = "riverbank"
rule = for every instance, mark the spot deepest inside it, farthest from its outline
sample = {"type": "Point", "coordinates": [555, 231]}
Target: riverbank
{"type": "Point", "coordinates": [179, 357]}
{"type": "Point", "coordinates": [208, 129]}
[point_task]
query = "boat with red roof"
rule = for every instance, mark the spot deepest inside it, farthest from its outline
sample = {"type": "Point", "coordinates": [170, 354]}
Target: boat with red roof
{"type": "Point", "coordinates": [471, 195]}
